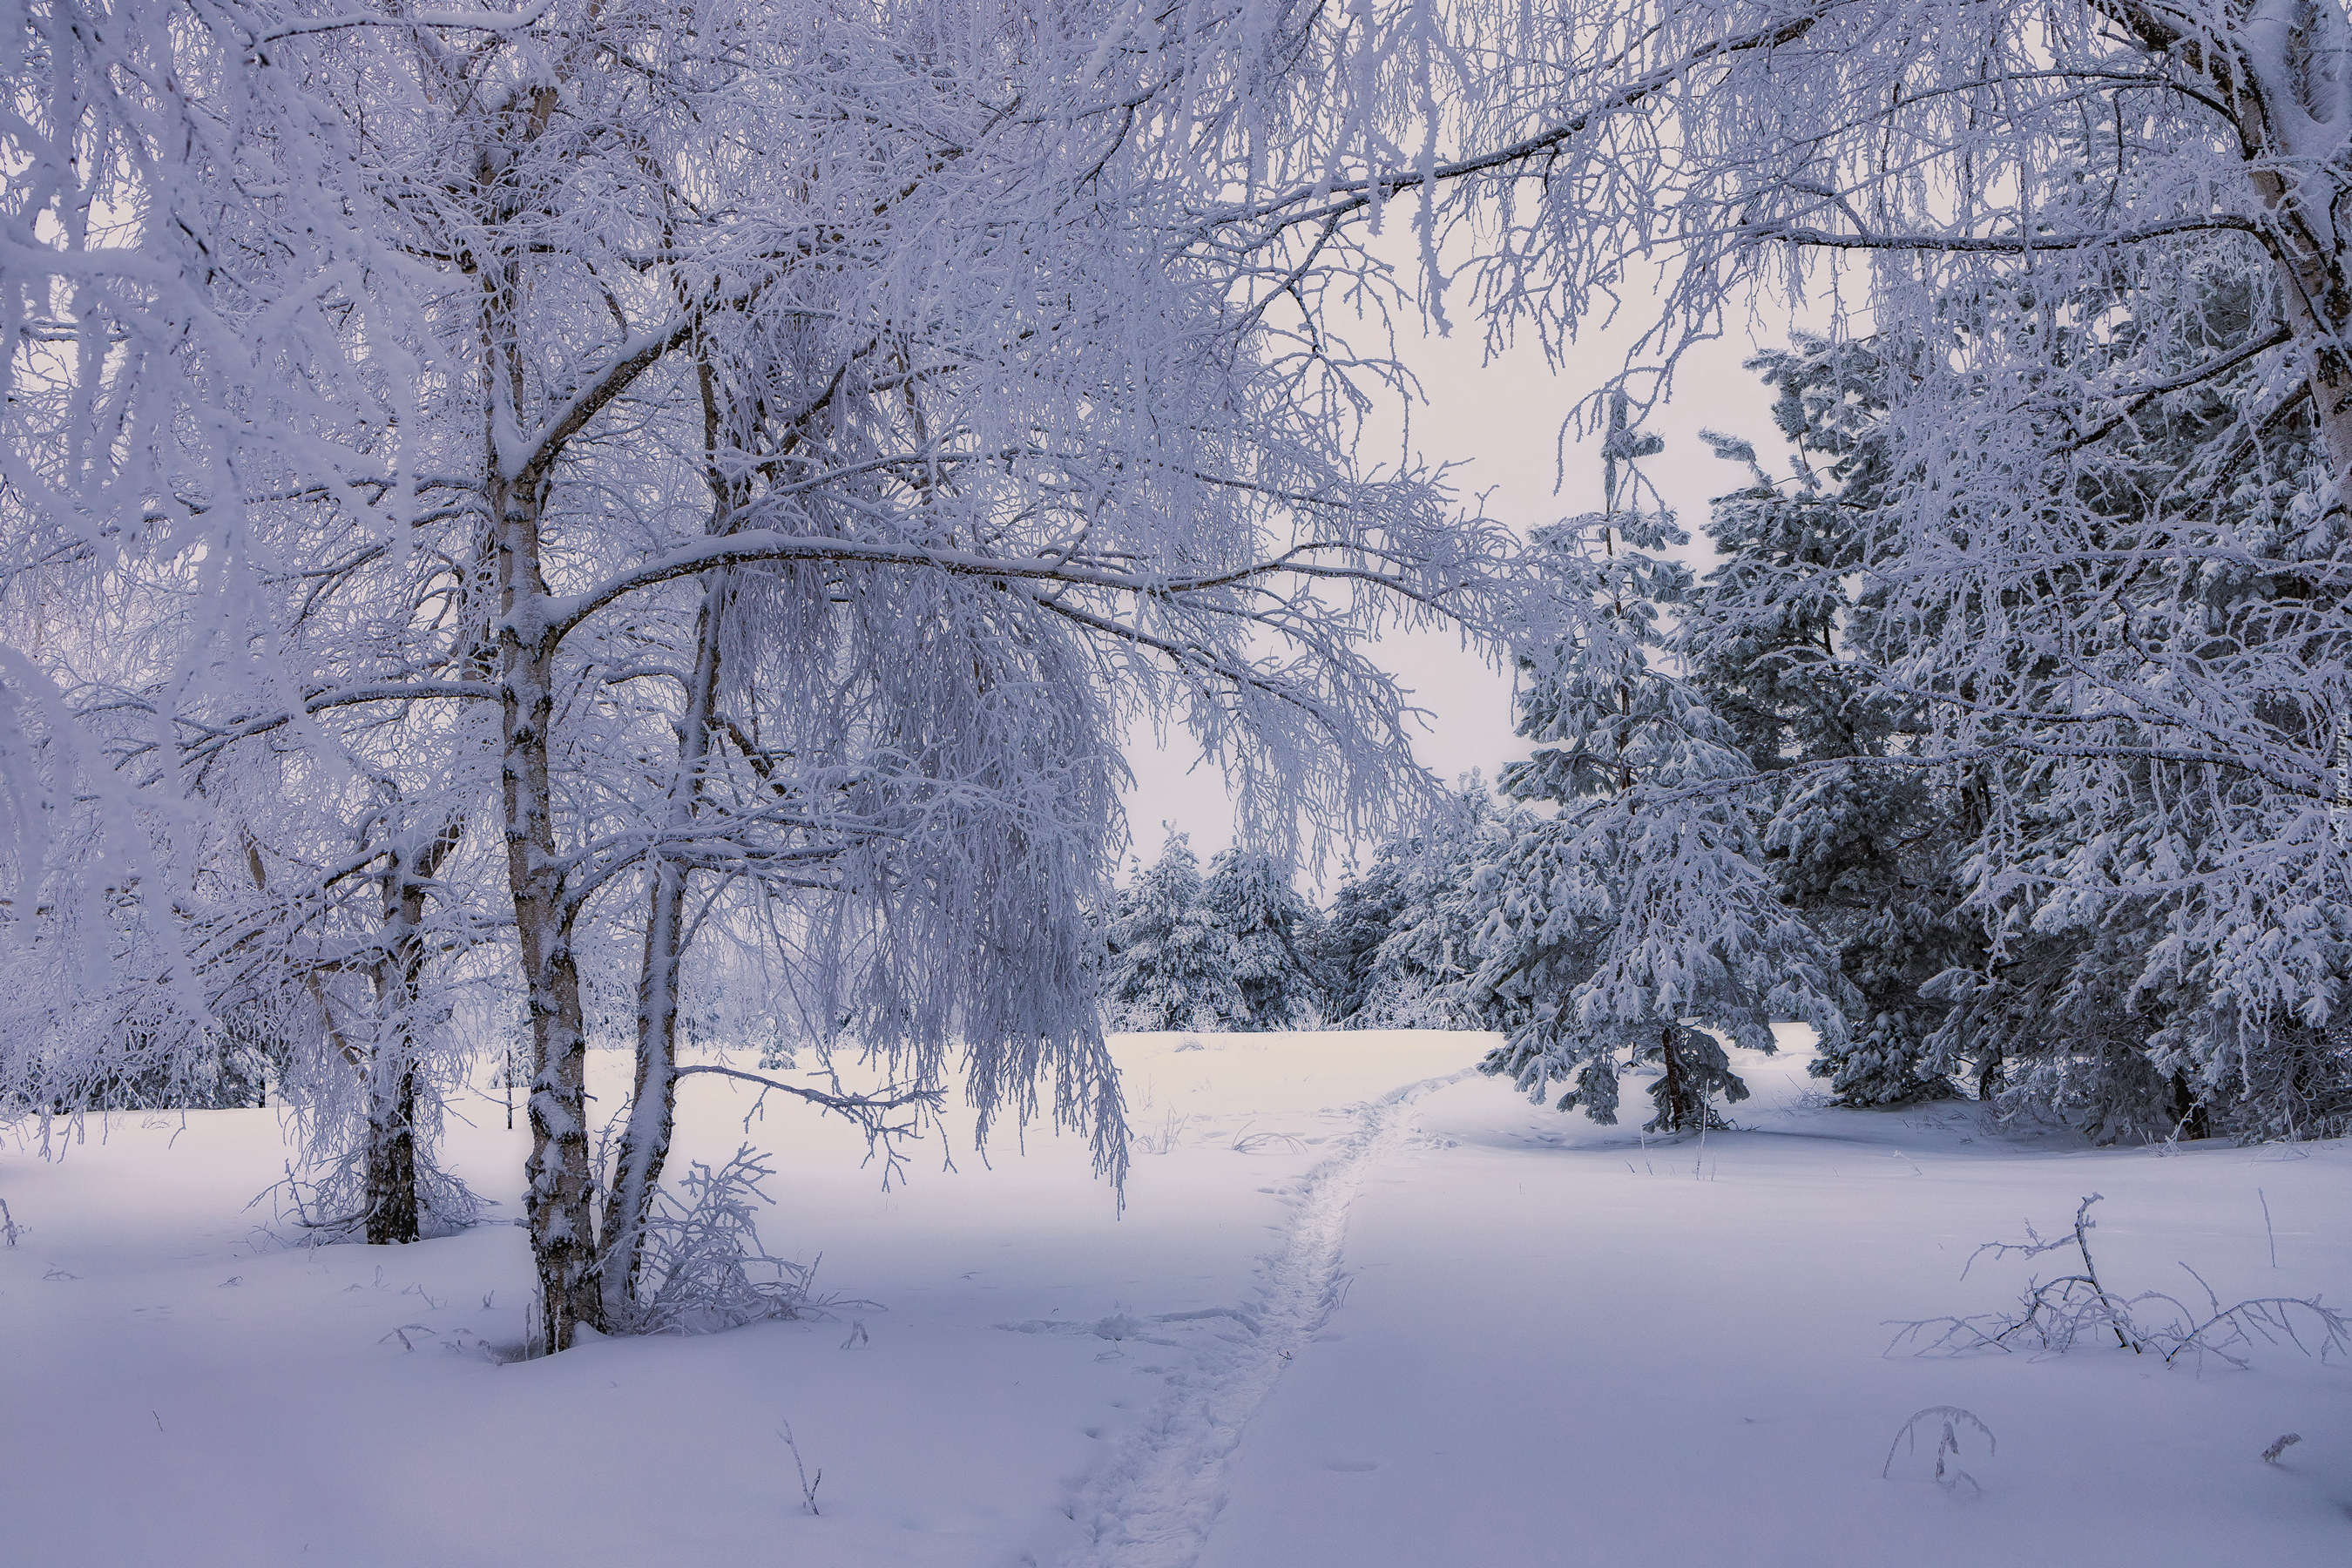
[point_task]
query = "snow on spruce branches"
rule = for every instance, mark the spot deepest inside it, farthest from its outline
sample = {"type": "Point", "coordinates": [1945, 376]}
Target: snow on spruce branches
{"type": "Point", "coordinates": [1621, 929]}
{"type": "Point", "coordinates": [1233, 950]}
{"type": "Point", "coordinates": [2097, 249]}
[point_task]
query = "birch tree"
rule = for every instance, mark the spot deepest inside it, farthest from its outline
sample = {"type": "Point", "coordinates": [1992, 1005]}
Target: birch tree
{"type": "Point", "coordinates": [869, 353]}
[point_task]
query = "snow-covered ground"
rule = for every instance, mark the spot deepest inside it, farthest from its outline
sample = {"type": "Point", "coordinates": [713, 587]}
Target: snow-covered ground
{"type": "Point", "coordinates": [1361, 1309]}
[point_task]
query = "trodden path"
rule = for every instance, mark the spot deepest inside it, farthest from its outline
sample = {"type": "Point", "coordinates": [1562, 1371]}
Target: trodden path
{"type": "Point", "coordinates": [1155, 1500]}
{"type": "Point", "coordinates": [1559, 1346]}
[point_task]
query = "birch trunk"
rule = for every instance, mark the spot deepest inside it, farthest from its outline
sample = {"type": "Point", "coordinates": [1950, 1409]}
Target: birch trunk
{"type": "Point", "coordinates": [645, 1138]}
{"type": "Point", "coordinates": [2280, 73]}
{"type": "Point", "coordinates": [2308, 248]}
{"type": "Point", "coordinates": [562, 1181]}
{"type": "Point", "coordinates": [561, 1194]}
{"type": "Point", "coordinates": [394, 1209]}
{"type": "Point", "coordinates": [560, 1178]}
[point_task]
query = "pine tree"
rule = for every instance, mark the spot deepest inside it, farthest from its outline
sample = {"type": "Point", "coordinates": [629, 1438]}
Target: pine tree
{"type": "Point", "coordinates": [2031, 916]}
{"type": "Point", "coordinates": [1404, 938]}
{"type": "Point", "coordinates": [1235, 949]}
{"type": "Point", "coordinates": [1363, 911]}
{"type": "Point", "coordinates": [1871, 858]}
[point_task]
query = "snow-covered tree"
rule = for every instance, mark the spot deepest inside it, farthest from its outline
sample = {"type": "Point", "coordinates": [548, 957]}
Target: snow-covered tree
{"type": "Point", "coordinates": [1872, 857]}
{"type": "Point", "coordinates": [1233, 950]}
{"type": "Point", "coordinates": [1169, 963]}
{"type": "Point", "coordinates": [1640, 917]}
{"type": "Point", "coordinates": [846, 423]}
{"type": "Point", "coordinates": [1960, 898]}
{"type": "Point", "coordinates": [2082, 222]}
{"type": "Point", "coordinates": [1930, 152]}
{"type": "Point", "coordinates": [1272, 929]}
{"type": "Point", "coordinates": [1402, 939]}
{"type": "Point", "coordinates": [1364, 910]}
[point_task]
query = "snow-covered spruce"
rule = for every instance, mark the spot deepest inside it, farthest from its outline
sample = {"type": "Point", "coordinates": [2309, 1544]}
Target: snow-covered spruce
{"type": "Point", "coordinates": [1402, 938]}
{"type": "Point", "coordinates": [1228, 950]}
{"type": "Point", "coordinates": [2108, 535]}
{"type": "Point", "coordinates": [1619, 932]}
{"type": "Point", "coordinates": [1152, 1503]}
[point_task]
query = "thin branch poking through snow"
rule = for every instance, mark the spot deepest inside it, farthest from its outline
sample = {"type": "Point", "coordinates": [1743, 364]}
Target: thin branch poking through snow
{"type": "Point", "coordinates": [2053, 1314]}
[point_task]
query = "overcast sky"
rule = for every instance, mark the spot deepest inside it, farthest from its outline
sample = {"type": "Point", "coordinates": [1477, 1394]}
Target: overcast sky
{"type": "Point", "coordinates": [1500, 421]}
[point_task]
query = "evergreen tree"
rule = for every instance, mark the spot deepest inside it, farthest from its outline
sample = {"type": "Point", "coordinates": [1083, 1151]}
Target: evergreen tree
{"type": "Point", "coordinates": [1249, 896]}
{"type": "Point", "coordinates": [1231, 950]}
{"type": "Point", "coordinates": [1363, 911]}
{"type": "Point", "coordinates": [1404, 938]}
{"type": "Point", "coordinates": [2042, 917]}
{"type": "Point", "coordinates": [1168, 963]}
{"type": "Point", "coordinates": [1639, 918]}
{"type": "Point", "coordinates": [1871, 856]}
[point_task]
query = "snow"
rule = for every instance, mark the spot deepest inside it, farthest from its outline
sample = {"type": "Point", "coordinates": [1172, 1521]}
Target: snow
{"type": "Point", "coordinates": [1368, 1310]}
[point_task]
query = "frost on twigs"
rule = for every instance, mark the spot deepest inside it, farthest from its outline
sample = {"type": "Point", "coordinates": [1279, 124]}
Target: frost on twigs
{"type": "Point", "coordinates": [2053, 1314]}
{"type": "Point", "coordinates": [707, 1267]}
{"type": "Point", "coordinates": [1948, 1475]}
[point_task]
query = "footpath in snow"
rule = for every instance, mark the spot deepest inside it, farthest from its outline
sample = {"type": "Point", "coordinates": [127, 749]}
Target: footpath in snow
{"type": "Point", "coordinates": [1557, 1345]}
{"type": "Point", "coordinates": [1362, 1309]}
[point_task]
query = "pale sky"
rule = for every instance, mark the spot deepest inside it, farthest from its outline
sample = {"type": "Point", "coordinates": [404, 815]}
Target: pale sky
{"type": "Point", "coordinates": [1500, 422]}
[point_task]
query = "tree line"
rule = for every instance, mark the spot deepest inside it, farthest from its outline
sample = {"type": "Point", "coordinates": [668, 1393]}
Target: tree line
{"type": "Point", "coordinates": [1724, 823]}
